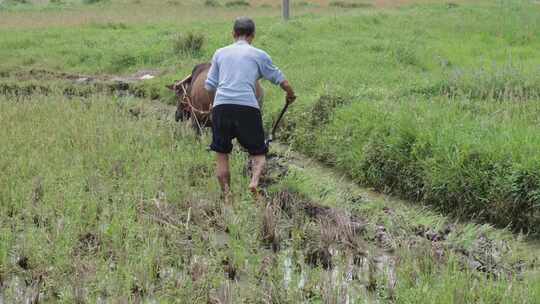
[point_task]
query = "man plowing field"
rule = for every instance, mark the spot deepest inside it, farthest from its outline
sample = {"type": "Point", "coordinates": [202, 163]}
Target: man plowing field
{"type": "Point", "coordinates": [231, 81]}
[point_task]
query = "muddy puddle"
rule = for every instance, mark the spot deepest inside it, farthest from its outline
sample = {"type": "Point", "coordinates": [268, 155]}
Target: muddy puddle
{"type": "Point", "coordinates": [21, 290]}
{"type": "Point", "coordinates": [353, 279]}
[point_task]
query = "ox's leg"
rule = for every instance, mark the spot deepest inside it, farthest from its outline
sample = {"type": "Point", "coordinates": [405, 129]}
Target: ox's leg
{"type": "Point", "coordinates": [195, 125]}
{"type": "Point", "coordinates": [180, 114]}
{"type": "Point", "coordinates": [183, 115]}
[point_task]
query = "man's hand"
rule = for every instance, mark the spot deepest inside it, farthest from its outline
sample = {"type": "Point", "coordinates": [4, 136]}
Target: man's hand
{"type": "Point", "coordinates": [291, 97]}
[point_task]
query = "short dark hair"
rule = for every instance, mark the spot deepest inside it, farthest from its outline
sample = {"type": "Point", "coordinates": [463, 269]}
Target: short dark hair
{"type": "Point", "coordinates": [244, 26]}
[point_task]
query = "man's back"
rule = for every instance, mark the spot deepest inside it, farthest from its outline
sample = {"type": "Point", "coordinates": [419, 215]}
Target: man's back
{"type": "Point", "coordinates": [235, 71]}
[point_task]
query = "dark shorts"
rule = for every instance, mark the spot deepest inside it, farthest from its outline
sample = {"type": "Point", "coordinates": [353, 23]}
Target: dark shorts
{"type": "Point", "coordinates": [241, 122]}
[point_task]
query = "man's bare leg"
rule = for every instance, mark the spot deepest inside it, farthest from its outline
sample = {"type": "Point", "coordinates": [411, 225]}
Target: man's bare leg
{"type": "Point", "coordinates": [223, 174]}
{"type": "Point", "coordinates": [257, 167]}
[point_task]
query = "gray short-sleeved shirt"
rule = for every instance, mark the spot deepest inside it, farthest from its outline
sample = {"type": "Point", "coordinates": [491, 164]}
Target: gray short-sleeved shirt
{"type": "Point", "coordinates": [235, 70]}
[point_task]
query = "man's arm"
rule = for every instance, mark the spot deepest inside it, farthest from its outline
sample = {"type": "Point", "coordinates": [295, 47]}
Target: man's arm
{"type": "Point", "coordinates": [271, 73]}
{"type": "Point", "coordinates": [291, 97]}
{"type": "Point", "coordinates": [212, 79]}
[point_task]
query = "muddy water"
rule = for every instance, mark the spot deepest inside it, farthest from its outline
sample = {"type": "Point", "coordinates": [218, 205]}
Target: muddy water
{"type": "Point", "coordinates": [352, 279]}
{"type": "Point", "coordinates": [16, 290]}
{"type": "Point", "coordinates": [287, 271]}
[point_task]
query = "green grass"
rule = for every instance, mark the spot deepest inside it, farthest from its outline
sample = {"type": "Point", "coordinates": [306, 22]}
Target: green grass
{"type": "Point", "coordinates": [95, 197]}
{"type": "Point", "coordinates": [367, 52]}
{"type": "Point", "coordinates": [104, 199]}
{"type": "Point", "coordinates": [108, 199]}
{"type": "Point", "coordinates": [448, 64]}
{"type": "Point", "coordinates": [474, 159]}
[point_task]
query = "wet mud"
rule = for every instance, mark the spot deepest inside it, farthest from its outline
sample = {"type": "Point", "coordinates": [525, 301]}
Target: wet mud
{"type": "Point", "coordinates": [24, 84]}
{"type": "Point", "coordinates": [358, 254]}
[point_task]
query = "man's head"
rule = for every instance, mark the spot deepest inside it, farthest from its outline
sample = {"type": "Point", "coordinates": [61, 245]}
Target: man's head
{"type": "Point", "coordinates": [244, 28]}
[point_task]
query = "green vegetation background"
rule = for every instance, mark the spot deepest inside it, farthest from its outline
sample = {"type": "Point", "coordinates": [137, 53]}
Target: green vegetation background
{"type": "Point", "coordinates": [438, 103]}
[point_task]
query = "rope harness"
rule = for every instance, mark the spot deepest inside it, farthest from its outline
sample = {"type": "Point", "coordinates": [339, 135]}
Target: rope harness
{"type": "Point", "coordinates": [186, 102]}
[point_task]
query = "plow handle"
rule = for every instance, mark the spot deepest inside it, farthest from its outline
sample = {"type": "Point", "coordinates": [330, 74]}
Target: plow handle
{"type": "Point", "coordinates": [274, 128]}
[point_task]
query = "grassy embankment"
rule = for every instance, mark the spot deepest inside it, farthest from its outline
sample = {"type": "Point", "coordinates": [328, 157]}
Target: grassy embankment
{"type": "Point", "coordinates": [454, 124]}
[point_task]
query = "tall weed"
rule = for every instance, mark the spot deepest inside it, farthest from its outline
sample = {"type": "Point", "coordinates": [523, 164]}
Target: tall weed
{"type": "Point", "coordinates": [188, 44]}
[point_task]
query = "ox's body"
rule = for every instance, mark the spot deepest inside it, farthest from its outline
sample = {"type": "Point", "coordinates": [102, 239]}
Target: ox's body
{"type": "Point", "coordinates": [194, 101]}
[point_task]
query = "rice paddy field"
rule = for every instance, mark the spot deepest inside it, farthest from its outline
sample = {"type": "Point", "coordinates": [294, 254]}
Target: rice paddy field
{"type": "Point", "coordinates": [408, 170]}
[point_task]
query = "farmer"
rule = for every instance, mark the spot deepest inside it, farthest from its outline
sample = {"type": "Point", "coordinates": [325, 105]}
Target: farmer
{"type": "Point", "coordinates": [236, 114]}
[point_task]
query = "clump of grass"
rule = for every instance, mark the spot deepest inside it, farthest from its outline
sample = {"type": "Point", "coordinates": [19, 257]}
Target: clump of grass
{"type": "Point", "coordinates": [188, 44]}
{"type": "Point", "coordinates": [315, 116]}
{"type": "Point", "coordinates": [344, 4]}
{"type": "Point", "coordinates": [237, 3]}
{"type": "Point", "coordinates": [94, 1]}
{"type": "Point", "coordinates": [305, 4]}
{"type": "Point", "coordinates": [405, 54]}
{"type": "Point", "coordinates": [269, 227]}
{"type": "Point", "coordinates": [319, 241]}
{"type": "Point", "coordinates": [323, 108]}
{"type": "Point", "coordinates": [212, 3]}
{"type": "Point", "coordinates": [122, 61]}
{"type": "Point", "coordinates": [110, 25]}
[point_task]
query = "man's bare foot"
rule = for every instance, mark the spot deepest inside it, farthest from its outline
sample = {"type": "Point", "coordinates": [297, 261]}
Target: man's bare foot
{"type": "Point", "coordinates": [255, 192]}
{"type": "Point", "coordinates": [227, 198]}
